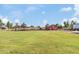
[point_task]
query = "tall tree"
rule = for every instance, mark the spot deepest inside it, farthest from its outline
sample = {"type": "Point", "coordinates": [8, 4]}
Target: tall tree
{"type": "Point", "coordinates": [23, 25]}
{"type": "Point", "coordinates": [1, 23]}
{"type": "Point", "coordinates": [46, 26]}
{"type": "Point", "coordinates": [16, 26]}
{"type": "Point", "coordinates": [57, 24]}
{"type": "Point", "coordinates": [66, 24]}
{"type": "Point", "coordinates": [32, 27]}
{"type": "Point", "coordinates": [9, 25]}
{"type": "Point", "coordinates": [72, 23]}
{"type": "Point", "coordinates": [39, 27]}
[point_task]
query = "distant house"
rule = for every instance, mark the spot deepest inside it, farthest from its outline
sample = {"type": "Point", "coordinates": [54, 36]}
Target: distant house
{"type": "Point", "coordinates": [76, 26]}
{"type": "Point", "coordinates": [3, 26]}
{"type": "Point", "coordinates": [52, 27]}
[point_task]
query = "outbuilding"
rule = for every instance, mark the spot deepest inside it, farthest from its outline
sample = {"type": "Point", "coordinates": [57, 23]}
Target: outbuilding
{"type": "Point", "coordinates": [76, 26]}
{"type": "Point", "coordinates": [52, 27]}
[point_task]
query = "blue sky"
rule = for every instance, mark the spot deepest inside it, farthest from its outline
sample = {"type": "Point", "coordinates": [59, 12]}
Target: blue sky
{"type": "Point", "coordinates": [38, 14]}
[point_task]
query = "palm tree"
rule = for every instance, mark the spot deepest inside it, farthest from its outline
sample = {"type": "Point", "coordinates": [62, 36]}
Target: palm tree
{"type": "Point", "coordinates": [1, 23]}
{"type": "Point", "coordinates": [66, 24]}
{"type": "Point", "coordinates": [72, 23]}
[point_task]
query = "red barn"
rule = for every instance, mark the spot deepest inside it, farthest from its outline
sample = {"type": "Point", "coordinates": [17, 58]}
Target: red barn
{"type": "Point", "coordinates": [52, 27]}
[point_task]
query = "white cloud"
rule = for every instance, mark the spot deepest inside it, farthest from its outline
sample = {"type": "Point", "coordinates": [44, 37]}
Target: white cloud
{"type": "Point", "coordinates": [7, 6]}
{"type": "Point", "coordinates": [43, 12]}
{"type": "Point", "coordinates": [70, 19]}
{"type": "Point", "coordinates": [63, 20]}
{"type": "Point", "coordinates": [17, 21]}
{"type": "Point", "coordinates": [76, 9]}
{"type": "Point", "coordinates": [1, 16]}
{"type": "Point", "coordinates": [66, 9]}
{"type": "Point", "coordinates": [4, 19]}
{"type": "Point", "coordinates": [75, 15]}
{"type": "Point", "coordinates": [31, 8]}
{"type": "Point", "coordinates": [74, 19]}
{"type": "Point", "coordinates": [45, 22]}
{"type": "Point", "coordinates": [17, 14]}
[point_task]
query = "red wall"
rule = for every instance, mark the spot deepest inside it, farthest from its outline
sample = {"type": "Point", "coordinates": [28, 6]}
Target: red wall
{"type": "Point", "coordinates": [52, 27]}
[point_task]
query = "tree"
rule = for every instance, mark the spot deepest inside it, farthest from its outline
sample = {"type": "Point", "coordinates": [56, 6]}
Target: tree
{"type": "Point", "coordinates": [16, 26]}
{"type": "Point", "coordinates": [66, 24]}
{"type": "Point", "coordinates": [23, 25]}
{"type": "Point", "coordinates": [32, 27]}
{"type": "Point", "coordinates": [46, 26]}
{"type": "Point", "coordinates": [72, 23]}
{"type": "Point", "coordinates": [9, 25]}
{"type": "Point", "coordinates": [1, 23]}
{"type": "Point", "coordinates": [59, 26]}
{"type": "Point", "coordinates": [39, 27]}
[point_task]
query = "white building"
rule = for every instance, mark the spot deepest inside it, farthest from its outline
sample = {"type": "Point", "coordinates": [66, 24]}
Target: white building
{"type": "Point", "coordinates": [76, 26]}
{"type": "Point", "coordinates": [3, 26]}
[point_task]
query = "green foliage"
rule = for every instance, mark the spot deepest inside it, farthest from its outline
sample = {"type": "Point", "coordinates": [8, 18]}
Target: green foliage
{"type": "Point", "coordinates": [17, 26]}
{"type": "Point", "coordinates": [32, 26]}
{"type": "Point", "coordinates": [9, 25]}
{"type": "Point", "coordinates": [72, 23]}
{"type": "Point", "coordinates": [66, 24]}
{"type": "Point", "coordinates": [39, 27]}
{"type": "Point", "coordinates": [59, 26]}
{"type": "Point", "coordinates": [69, 25]}
{"type": "Point", "coordinates": [23, 25]}
{"type": "Point", "coordinates": [1, 22]}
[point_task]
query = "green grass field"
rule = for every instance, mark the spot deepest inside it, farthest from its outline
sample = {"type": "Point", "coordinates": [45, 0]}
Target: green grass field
{"type": "Point", "coordinates": [38, 42]}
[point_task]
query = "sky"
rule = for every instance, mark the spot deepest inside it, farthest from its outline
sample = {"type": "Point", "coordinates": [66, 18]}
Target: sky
{"type": "Point", "coordinates": [39, 14]}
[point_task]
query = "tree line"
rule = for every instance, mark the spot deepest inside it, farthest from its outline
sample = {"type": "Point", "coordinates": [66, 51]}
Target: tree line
{"type": "Point", "coordinates": [9, 25]}
{"type": "Point", "coordinates": [69, 25]}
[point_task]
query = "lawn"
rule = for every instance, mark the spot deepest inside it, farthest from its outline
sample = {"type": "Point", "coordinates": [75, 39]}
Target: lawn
{"type": "Point", "coordinates": [42, 42]}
